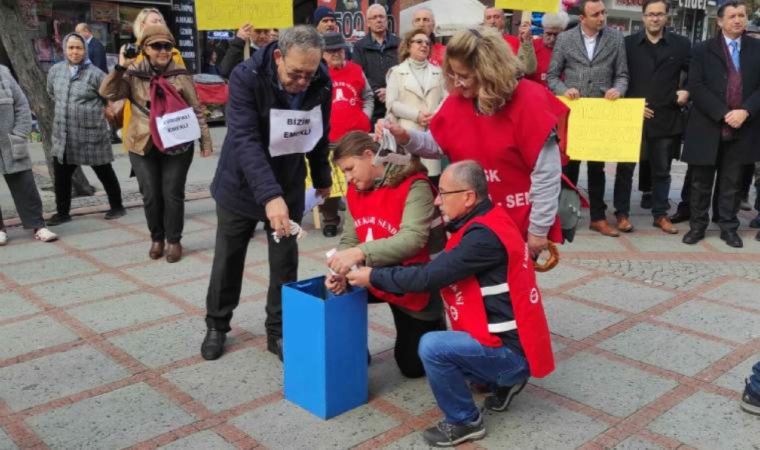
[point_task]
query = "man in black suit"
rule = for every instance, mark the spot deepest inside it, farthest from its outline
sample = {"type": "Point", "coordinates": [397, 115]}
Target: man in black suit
{"type": "Point", "coordinates": [657, 59]}
{"type": "Point", "coordinates": [95, 50]}
{"type": "Point", "coordinates": [723, 130]}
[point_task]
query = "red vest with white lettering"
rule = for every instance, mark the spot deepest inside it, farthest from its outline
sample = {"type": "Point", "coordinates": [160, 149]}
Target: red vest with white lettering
{"type": "Point", "coordinates": [466, 308]}
{"type": "Point", "coordinates": [346, 113]}
{"type": "Point", "coordinates": [506, 144]}
{"type": "Point", "coordinates": [377, 215]}
{"type": "Point", "coordinates": [437, 53]}
{"type": "Point", "coordinates": [543, 59]}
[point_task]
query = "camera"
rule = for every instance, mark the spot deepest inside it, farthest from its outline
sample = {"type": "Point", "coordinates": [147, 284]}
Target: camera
{"type": "Point", "coordinates": [131, 51]}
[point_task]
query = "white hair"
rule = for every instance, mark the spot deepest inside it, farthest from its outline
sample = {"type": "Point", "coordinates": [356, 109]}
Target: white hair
{"type": "Point", "coordinates": [424, 8]}
{"type": "Point", "coordinates": [376, 6]}
{"type": "Point", "coordinates": [555, 20]}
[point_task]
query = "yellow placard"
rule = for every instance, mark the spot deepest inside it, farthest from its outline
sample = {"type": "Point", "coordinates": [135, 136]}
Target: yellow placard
{"type": "Point", "coordinates": [231, 14]}
{"type": "Point", "coordinates": [339, 187]}
{"type": "Point", "coordinates": [545, 6]}
{"type": "Point", "coordinates": [604, 130]}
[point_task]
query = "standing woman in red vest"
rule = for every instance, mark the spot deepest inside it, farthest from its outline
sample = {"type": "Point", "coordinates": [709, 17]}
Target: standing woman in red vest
{"type": "Point", "coordinates": [352, 106]}
{"type": "Point", "coordinates": [391, 220]}
{"type": "Point", "coordinates": [505, 123]}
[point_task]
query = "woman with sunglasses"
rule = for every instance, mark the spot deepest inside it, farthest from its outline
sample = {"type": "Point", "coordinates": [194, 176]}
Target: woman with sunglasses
{"type": "Point", "coordinates": [506, 124]}
{"type": "Point", "coordinates": [415, 89]}
{"type": "Point", "coordinates": [161, 176]}
{"type": "Point", "coordinates": [391, 220]}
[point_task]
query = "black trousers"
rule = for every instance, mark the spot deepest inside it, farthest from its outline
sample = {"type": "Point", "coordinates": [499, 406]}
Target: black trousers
{"type": "Point", "coordinates": [409, 331]}
{"type": "Point", "coordinates": [329, 210]}
{"type": "Point", "coordinates": [26, 198]}
{"type": "Point", "coordinates": [596, 186]}
{"type": "Point", "coordinates": [161, 178]}
{"type": "Point", "coordinates": [63, 173]}
{"type": "Point", "coordinates": [729, 175]}
{"type": "Point", "coordinates": [684, 205]}
{"type": "Point", "coordinates": [660, 153]}
{"type": "Point", "coordinates": [645, 176]}
{"type": "Point", "coordinates": [233, 233]}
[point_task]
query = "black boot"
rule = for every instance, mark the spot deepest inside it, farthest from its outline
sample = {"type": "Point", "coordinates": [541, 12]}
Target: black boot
{"type": "Point", "coordinates": [213, 344]}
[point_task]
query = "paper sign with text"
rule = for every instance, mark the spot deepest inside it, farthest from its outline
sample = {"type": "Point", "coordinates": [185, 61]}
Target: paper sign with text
{"type": "Point", "coordinates": [529, 5]}
{"type": "Point", "coordinates": [604, 130]}
{"type": "Point", "coordinates": [231, 14]}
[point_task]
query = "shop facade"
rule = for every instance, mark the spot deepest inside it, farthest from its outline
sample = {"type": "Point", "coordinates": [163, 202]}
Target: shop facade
{"type": "Point", "coordinates": [694, 19]}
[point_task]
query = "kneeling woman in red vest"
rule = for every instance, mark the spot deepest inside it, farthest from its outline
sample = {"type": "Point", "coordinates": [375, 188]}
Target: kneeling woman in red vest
{"type": "Point", "coordinates": [506, 124]}
{"type": "Point", "coordinates": [488, 284]}
{"type": "Point", "coordinates": [391, 219]}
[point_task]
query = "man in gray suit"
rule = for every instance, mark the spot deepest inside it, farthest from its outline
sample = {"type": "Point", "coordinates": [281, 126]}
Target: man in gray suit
{"type": "Point", "coordinates": [592, 59]}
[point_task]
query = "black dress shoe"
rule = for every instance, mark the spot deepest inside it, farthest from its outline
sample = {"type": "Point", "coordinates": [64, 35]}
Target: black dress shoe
{"type": "Point", "coordinates": [330, 230]}
{"type": "Point", "coordinates": [58, 219]}
{"type": "Point", "coordinates": [680, 216]}
{"type": "Point", "coordinates": [115, 213]}
{"type": "Point", "coordinates": [213, 344]}
{"type": "Point", "coordinates": [693, 236]}
{"type": "Point", "coordinates": [732, 239]}
{"type": "Point", "coordinates": [274, 345]}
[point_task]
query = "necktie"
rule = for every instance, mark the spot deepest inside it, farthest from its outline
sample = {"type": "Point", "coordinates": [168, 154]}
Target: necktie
{"type": "Point", "coordinates": [735, 54]}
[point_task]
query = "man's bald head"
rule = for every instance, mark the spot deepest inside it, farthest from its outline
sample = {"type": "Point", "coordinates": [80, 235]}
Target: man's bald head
{"type": "Point", "coordinates": [83, 29]}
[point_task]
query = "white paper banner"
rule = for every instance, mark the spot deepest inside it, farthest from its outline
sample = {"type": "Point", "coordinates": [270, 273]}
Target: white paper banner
{"type": "Point", "coordinates": [294, 131]}
{"type": "Point", "coordinates": [179, 127]}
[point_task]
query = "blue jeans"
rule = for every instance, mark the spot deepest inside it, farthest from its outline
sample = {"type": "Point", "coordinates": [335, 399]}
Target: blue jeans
{"type": "Point", "coordinates": [754, 379]}
{"type": "Point", "coordinates": [451, 358]}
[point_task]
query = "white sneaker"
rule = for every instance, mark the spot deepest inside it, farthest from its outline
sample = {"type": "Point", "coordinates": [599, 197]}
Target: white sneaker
{"type": "Point", "coordinates": [45, 235]}
{"type": "Point", "coordinates": [3, 238]}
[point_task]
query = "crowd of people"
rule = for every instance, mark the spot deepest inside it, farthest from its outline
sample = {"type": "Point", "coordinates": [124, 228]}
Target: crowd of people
{"type": "Point", "coordinates": [480, 135]}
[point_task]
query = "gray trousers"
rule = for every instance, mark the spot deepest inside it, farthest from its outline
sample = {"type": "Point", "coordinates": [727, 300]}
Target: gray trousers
{"type": "Point", "coordinates": [26, 198]}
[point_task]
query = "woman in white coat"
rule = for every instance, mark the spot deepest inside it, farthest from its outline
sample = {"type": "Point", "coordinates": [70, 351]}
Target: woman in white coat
{"type": "Point", "coordinates": [415, 89]}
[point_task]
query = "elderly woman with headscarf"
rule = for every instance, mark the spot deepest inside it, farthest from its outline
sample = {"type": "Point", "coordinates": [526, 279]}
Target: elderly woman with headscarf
{"type": "Point", "coordinates": [81, 136]}
{"type": "Point", "coordinates": [161, 172]}
{"type": "Point", "coordinates": [15, 164]}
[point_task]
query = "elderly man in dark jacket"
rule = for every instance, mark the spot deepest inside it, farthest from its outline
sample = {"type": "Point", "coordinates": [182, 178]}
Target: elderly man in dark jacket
{"type": "Point", "coordinates": [723, 132]}
{"type": "Point", "coordinates": [377, 52]}
{"type": "Point", "coordinates": [279, 110]}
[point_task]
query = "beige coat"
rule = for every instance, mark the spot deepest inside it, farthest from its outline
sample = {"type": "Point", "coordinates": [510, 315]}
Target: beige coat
{"type": "Point", "coordinates": [121, 85]}
{"type": "Point", "coordinates": [406, 97]}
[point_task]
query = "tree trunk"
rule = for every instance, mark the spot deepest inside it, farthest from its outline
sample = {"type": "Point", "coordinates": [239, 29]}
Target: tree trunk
{"type": "Point", "coordinates": [18, 45]}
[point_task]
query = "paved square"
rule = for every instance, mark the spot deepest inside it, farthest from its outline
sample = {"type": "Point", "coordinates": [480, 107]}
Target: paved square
{"type": "Point", "coordinates": [13, 305]}
{"type": "Point", "coordinates": [621, 294]}
{"type": "Point", "coordinates": [25, 250]}
{"type": "Point", "coordinates": [31, 335]}
{"type": "Point", "coordinates": [285, 425]}
{"type": "Point", "coordinates": [47, 269]}
{"type": "Point", "coordinates": [734, 378]}
{"type": "Point", "coordinates": [117, 419]}
{"type": "Point", "coordinates": [576, 321]}
{"type": "Point", "coordinates": [83, 289]}
{"type": "Point", "coordinates": [165, 343]}
{"type": "Point", "coordinates": [666, 349]}
{"type": "Point", "coordinates": [710, 421]}
{"type": "Point", "coordinates": [54, 376]}
{"type": "Point", "coordinates": [205, 440]}
{"type": "Point", "coordinates": [737, 292]}
{"type": "Point", "coordinates": [716, 320]}
{"type": "Point", "coordinates": [122, 312]}
{"type": "Point", "coordinates": [584, 376]}
{"type": "Point", "coordinates": [159, 273]}
{"type": "Point", "coordinates": [104, 238]}
{"type": "Point", "coordinates": [236, 378]}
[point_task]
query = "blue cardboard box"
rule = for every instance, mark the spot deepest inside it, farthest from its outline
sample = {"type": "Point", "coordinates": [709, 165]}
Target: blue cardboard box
{"type": "Point", "coordinates": [325, 347]}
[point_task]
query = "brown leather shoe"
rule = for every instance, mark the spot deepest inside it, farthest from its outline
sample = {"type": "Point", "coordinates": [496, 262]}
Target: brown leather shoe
{"type": "Point", "coordinates": [156, 250]}
{"type": "Point", "coordinates": [173, 252]}
{"type": "Point", "coordinates": [601, 226]}
{"type": "Point", "coordinates": [623, 224]}
{"type": "Point", "coordinates": [665, 225]}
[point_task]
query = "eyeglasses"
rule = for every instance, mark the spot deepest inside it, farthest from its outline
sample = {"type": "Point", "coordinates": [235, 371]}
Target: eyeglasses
{"type": "Point", "coordinates": [655, 15]}
{"type": "Point", "coordinates": [298, 76]}
{"type": "Point", "coordinates": [165, 46]}
{"type": "Point", "coordinates": [458, 191]}
{"type": "Point", "coordinates": [420, 42]}
{"type": "Point", "coordinates": [459, 80]}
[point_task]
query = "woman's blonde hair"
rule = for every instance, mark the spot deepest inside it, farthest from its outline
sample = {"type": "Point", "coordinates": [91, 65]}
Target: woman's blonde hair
{"type": "Point", "coordinates": [494, 66]}
{"type": "Point", "coordinates": [139, 24]}
{"type": "Point", "coordinates": [406, 43]}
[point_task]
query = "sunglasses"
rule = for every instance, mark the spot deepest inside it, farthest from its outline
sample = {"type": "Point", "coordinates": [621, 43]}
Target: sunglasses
{"type": "Point", "coordinates": [165, 46]}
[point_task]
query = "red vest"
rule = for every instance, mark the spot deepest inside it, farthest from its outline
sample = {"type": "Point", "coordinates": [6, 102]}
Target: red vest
{"type": "Point", "coordinates": [513, 41]}
{"type": "Point", "coordinates": [347, 113]}
{"type": "Point", "coordinates": [466, 309]}
{"type": "Point", "coordinates": [506, 144]}
{"type": "Point", "coordinates": [377, 215]}
{"type": "Point", "coordinates": [543, 59]}
{"type": "Point", "coordinates": [437, 53]}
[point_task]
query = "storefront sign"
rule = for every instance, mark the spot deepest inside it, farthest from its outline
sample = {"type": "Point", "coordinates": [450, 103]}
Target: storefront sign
{"type": "Point", "coordinates": [185, 31]}
{"type": "Point", "coordinates": [104, 12]}
{"type": "Point", "coordinates": [693, 4]}
{"type": "Point", "coordinates": [28, 11]}
{"type": "Point", "coordinates": [628, 5]}
{"type": "Point", "coordinates": [231, 14]}
{"type": "Point", "coordinates": [351, 16]}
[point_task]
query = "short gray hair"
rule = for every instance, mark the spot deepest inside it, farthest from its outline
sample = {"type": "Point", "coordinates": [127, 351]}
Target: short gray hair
{"type": "Point", "coordinates": [424, 8]}
{"type": "Point", "coordinates": [555, 20]}
{"type": "Point", "coordinates": [376, 6]}
{"type": "Point", "coordinates": [471, 175]}
{"type": "Point", "coordinates": [304, 37]}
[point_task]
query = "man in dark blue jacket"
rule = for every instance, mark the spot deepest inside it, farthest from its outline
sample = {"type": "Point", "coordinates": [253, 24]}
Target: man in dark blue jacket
{"type": "Point", "coordinates": [278, 111]}
{"type": "Point", "coordinates": [96, 52]}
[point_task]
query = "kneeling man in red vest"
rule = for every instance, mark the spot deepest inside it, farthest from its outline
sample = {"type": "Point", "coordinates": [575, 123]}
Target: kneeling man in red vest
{"type": "Point", "coordinates": [500, 336]}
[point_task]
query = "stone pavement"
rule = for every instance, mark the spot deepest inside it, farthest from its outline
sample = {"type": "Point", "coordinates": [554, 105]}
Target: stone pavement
{"type": "Point", "coordinates": [100, 349]}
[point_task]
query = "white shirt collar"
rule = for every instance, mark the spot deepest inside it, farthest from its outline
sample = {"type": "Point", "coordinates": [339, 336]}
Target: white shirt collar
{"type": "Point", "coordinates": [729, 41]}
